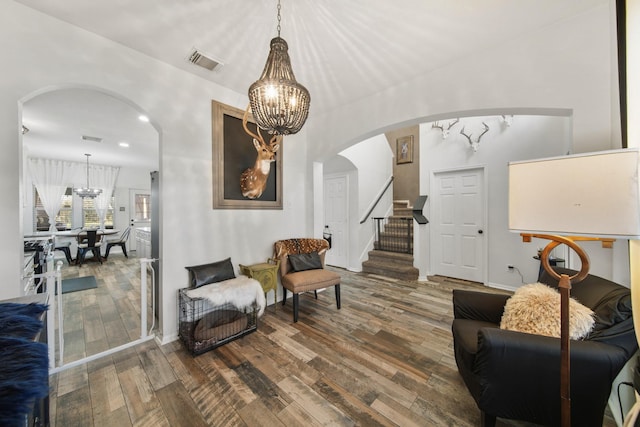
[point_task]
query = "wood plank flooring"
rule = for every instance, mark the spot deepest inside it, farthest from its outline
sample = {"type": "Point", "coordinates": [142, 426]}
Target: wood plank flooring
{"type": "Point", "coordinates": [384, 359]}
{"type": "Point", "coordinates": [106, 317]}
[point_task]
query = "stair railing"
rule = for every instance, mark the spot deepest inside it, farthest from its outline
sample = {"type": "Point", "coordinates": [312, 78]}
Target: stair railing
{"type": "Point", "coordinates": [377, 200]}
{"type": "Point", "coordinates": [393, 234]}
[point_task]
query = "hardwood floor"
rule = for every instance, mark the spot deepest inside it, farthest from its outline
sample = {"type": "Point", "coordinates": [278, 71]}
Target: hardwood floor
{"type": "Point", "coordinates": [384, 359]}
{"type": "Point", "coordinates": [106, 317]}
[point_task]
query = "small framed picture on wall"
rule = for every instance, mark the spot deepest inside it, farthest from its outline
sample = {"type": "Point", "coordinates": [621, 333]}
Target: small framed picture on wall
{"type": "Point", "coordinates": [404, 150]}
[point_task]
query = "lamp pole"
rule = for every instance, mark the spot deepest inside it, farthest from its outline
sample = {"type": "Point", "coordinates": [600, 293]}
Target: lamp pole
{"type": "Point", "coordinates": [564, 286]}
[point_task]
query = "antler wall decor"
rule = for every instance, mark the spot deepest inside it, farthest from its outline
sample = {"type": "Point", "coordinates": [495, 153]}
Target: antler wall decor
{"type": "Point", "coordinates": [445, 132]}
{"type": "Point", "coordinates": [475, 144]}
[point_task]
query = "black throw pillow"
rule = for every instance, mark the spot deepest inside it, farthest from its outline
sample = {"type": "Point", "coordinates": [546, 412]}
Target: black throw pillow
{"type": "Point", "coordinates": [302, 262]}
{"type": "Point", "coordinates": [200, 275]}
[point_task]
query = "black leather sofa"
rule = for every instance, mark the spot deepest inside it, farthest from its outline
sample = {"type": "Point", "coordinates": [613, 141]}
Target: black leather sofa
{"type": "Point", "coordinates": [516, 375]}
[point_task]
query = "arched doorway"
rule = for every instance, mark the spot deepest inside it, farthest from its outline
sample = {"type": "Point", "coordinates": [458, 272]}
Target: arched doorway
{"type": "Point", "coordinates": [63, 124]}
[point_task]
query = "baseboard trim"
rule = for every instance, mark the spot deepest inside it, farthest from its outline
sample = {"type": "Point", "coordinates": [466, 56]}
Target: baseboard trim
{"type": "Point", "coordinates": [502, 287]}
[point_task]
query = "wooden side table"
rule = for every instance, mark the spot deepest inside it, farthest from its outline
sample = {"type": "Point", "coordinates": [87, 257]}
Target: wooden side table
{"type": "Point", "coordinates": [267, 274]}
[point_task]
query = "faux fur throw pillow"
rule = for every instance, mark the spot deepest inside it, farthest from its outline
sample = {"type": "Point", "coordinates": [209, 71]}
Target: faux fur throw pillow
{"type": "Point", "coordinates": [535, 309]}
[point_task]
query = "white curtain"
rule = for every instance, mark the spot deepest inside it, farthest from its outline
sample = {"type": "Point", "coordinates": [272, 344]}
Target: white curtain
{"type": "Point", "coordinates": [103, 177]}
{"type": "Point", "coordinates": [51, 178]}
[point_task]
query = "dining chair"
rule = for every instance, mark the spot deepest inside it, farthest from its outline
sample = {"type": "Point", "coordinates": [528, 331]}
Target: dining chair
{"type": "Point", "coordinates": [88, 241]}
{"type": "Point", "coordinates": [64, 247]}
{"type": "Point", "coordinates": [119, 241]}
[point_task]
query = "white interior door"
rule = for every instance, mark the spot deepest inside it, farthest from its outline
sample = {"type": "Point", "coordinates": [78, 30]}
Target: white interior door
{"type": "Point", "coordinates": [140, 210]}
{"type": "Point", "coordinates": [336, 213]}
{"type": "Point", "coordinates": [457, 238]}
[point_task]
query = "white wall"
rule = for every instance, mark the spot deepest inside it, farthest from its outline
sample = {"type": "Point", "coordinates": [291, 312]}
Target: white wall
{"type": "Point", "coordinates": [528, 137]}
{"type": "Point", "coordinates": [372, 160]}
{"type": "Point", "coordinates": [41, 53]}
{"type": "Point", "coordinates": [566, 65]}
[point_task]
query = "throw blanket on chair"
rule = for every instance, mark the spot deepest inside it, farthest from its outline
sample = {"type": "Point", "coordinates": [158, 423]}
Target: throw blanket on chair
{"type": "Point", "coordinates": [242, 292]}
{"type": "Point", "coordinates": [300, 246]}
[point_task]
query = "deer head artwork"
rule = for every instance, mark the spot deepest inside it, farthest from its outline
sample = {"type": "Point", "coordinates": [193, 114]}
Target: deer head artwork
{"type": "Point", "coordinates": [445, 132]}
{"type": "Point", "coordinates": [253, 180]}
{"type": "Point", "coordinates": [475, 144]}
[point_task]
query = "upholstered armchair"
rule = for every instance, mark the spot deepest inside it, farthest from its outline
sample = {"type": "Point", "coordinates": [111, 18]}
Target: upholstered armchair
{"type": "Point", "coordinates": [302, 269]}
{"type": "Point", "coordinates": [516, 375]}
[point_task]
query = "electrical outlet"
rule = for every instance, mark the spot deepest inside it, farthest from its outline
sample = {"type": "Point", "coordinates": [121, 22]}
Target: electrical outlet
{"type": "Point", "coordinates": [510, 267]}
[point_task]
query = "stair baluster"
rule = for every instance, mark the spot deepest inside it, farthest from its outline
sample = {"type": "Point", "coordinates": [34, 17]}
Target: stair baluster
{"type": "Point", "coordinates": [397, 235]}
{"type": "Point", "coordinates": [393, 245]}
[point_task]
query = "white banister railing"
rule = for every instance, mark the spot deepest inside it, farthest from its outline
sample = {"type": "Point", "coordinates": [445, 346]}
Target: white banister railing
{"type": "Point", "coordinates": [53, 280]}
{"type": "Point", "coordinates": [145, 334]}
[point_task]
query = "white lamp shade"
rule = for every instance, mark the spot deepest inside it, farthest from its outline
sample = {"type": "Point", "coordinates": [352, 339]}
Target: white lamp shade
{"type": "Point", "coordinates": [592, 194]}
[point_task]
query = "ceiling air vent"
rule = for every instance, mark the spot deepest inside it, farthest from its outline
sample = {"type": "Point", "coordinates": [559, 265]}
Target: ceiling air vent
{"type": "Point", "coordinates": [198, 58]}
{"type": "Point", "coordinates": [91, 138]}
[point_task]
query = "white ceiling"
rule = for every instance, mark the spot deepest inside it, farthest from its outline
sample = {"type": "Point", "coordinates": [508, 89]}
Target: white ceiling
{"type": "Point", "coordinates": [58, 120]}
{"type": "Point", "coordinates": [341, 50]}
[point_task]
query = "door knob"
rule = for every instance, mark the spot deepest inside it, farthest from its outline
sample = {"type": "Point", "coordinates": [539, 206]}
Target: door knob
{"type": "Point", "coordinates": [480, 231]}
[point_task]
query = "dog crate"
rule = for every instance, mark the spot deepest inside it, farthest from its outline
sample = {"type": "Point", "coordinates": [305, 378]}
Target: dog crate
{"type": "Point", "coordinates": [204, 326]}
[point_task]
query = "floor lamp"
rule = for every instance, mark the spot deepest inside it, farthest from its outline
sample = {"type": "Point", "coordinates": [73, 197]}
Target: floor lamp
{"type": "Point", "coordinates": [595, 196]}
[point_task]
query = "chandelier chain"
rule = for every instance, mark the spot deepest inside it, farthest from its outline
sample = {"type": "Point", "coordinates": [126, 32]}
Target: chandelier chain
{"type": "Point", "coordinates": [279, 18]}
{"type": "Point", "coordinates": [280, 105]}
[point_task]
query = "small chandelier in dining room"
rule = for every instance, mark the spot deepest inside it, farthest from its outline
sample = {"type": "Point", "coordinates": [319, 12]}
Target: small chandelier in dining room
{"type": "Point", "coordinates": [280, 105]}
{"type": "Point", "coordinates": [87, 191]}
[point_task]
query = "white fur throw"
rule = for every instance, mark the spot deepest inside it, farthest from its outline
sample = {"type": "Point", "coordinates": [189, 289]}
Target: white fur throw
{"type": "Point", "coordinates": [241, 292]}
{"type": "Point", "coordinates": [535, 309]}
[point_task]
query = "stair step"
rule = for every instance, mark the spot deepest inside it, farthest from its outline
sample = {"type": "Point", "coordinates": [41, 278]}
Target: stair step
{"type": "Point", "coordinates": [397, 225]}
{"type": "Point", "coordinates": [407, 212]}
{"type": "Point", "coordinates": [391, 257]}
{"type": "Point", "coordinates": [394, 248]}
{"type": "Point", "coordinates": [401, 219]}
{"type": "Point", "coordinates": [390, 270]}
{"type": "Point", "coordinates": [396, 232]}
{"type": "Point", "coordinates": [391, 246]}
{"type": "Point", "coordinates": [391, 264]}
{"type": "Point", "coordinates": [388, 247]}
{"type": "Point", "coordinates": [401, 204]}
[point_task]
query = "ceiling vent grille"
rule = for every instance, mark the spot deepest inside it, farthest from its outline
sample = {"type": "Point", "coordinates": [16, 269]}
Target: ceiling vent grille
{"type": "Point", "coordinates": [91, 138]}
{"type": "Point", "coordinates": [198, 58]}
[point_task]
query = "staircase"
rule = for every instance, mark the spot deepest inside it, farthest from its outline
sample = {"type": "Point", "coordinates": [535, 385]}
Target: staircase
{"type": "Point", "coordinates": [393, 249]}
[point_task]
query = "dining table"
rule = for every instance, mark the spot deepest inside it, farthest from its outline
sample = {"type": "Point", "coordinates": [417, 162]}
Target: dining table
{"type": "Point", "coordinates": [65, 240]}
{"type": "Point", "coordinates": [69, 233]}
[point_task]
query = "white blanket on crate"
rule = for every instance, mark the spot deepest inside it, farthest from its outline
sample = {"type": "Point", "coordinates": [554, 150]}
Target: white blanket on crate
{"type": "Point", "coordinates": [242, 292]}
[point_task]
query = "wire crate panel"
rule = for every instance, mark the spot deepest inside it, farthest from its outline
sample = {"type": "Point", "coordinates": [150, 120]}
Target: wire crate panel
{"type": "Point", "coordinates": [204, 326]}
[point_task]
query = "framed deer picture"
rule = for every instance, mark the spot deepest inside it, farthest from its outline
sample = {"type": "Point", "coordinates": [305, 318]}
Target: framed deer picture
{"type": "Point", "coordinates": [247, 163]}
{"type": "Point", "coordinates": [404, 150]}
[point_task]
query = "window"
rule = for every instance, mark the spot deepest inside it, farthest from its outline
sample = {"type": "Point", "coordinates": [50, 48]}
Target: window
{"type": "Point", "coordinates": [90, 215]}
{"type": "Point", "coordinates": [143, 207]}
{"type": "Point", "coordinates": [63, 219]}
